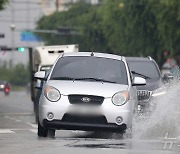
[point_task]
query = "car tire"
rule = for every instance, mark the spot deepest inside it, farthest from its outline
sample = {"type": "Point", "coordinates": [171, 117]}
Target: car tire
{"type": "Point", "coordinates": [42, 132]}
{"type": "Point", "coordinates": [36, 105]}
{"type": "Point", "coordinates": [51, 133]}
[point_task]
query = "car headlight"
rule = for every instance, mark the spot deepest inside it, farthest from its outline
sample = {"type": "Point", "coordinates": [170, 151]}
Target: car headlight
{"type": "Point", "coordinates": [158, 92]}
{"type": "Point", "coordinates": [2, 86]}
{"type": "Point", "coordinates": [120, 98]}
{"type": "Point", "coordinates": [52, 94]}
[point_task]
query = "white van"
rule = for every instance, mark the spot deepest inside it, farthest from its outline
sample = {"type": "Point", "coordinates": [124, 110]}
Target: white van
{"type": "Point", "coordinates": [42, 58]}
{"type": "Point", "coordinates": [45, 56]}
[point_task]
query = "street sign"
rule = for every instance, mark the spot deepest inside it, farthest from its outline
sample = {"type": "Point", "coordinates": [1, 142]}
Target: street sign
{"type": "Point", "coordinates": [29, 37]}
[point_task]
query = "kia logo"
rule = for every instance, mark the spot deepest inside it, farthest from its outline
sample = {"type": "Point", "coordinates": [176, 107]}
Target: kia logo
{"type": "Point", "coordinates": [86, 99]}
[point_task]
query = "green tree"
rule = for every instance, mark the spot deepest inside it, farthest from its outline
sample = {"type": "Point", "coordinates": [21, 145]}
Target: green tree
{"type": "Point", "coordinates": [4, 74]}
{"type": "Point", "coordinates": [112, 27]}
{"type": "Point", "coordinates": [124, 27]}
{"type": "Point", "coordinates": [82, 16]}
{"type": "Point", "coordinates": [168, 21]}
{"type": "Point", "coordinates": [131, 27]}
{"type": "Point", "coordinates": [62, 19]}
{"type": "Point", "coordinates": [18, 75]}
{"type": "Point", "coordinates": [2, 4]}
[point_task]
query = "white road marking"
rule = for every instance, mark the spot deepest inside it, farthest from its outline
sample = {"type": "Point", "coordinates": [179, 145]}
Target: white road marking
{"type": "Point", "coordinates": [12, 118]}
{"type": "Point", "coordinates": [6, 116]}
{"type": "Point", "coordinates": [18, 120]}
{"type": "Point", "coordinates": [12, 131]}
{"type": "Point", "coordinates": [33, 130]}
{"type": "Point", "coordinates": [6, 131]}
{"type": "Point", "coordinates": [32, 125]}
{"type": "Point", "coordinates": [17, 114]}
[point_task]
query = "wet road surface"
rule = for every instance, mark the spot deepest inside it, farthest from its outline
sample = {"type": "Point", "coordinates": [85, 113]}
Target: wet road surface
{"type": "Point", "coordinates": [18, 135]}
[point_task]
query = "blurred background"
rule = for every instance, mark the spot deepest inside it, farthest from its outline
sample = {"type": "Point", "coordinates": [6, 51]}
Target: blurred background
{"type": "Point", "coordinates": [134, 28]}
{"type": "Point", "coordinates": [123, 27]}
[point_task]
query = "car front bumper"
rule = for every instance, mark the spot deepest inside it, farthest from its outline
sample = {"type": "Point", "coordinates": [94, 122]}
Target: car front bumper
{"type": "Point", "coordinates": [107, 109]}
{"type": "Point", "coordinates": [58, 124]}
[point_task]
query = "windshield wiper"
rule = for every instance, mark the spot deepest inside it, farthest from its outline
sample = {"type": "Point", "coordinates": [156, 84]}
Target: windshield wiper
{"type": "Point", "coordinates": [96, 79]}
{"type": "Point", "coordinates": [89, 79]}
{"type": "Point", "coordinates": [142, 75]}
{"type": "Point", "coordinates": [62, 78]}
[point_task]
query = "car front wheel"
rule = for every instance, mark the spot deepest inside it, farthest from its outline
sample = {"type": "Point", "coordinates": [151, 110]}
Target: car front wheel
{"type": "Point", "coordinates": [51, 132]}
{"type": "Point", "coordinates": [42, 132]}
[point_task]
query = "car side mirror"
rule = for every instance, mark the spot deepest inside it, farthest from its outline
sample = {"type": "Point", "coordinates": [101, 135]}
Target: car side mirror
{"type": "Point", "coordinates": [168, 77]}
{"type": "Point", "coordinates": [41, 75]}
{"type": "Point", "coordinates": [139, 81]}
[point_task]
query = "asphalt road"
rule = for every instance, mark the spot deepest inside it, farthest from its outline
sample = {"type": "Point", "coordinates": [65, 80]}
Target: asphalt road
{"type": "Point", "coordinates": [18, 134]}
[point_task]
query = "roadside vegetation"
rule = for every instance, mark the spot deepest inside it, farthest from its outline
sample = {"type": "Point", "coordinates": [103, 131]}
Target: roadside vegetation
{"type": "Point", "coordinates": [2, 4]}
{"type": "Point", "coordinates": [124, 27]}
{"type": "Point", "coordinates": [18, 76]}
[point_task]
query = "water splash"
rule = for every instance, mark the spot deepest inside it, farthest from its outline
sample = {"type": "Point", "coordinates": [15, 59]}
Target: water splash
{"type": "Point", "coordinates": [163, 119]}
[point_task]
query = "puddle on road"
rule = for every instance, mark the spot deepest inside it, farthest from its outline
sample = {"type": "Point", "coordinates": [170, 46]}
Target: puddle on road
{"type": "Point", "coordinates": [101, 146]}
{"type": "Point", "coordinates": [163, 120]}
{"type": "Point", "coordinates": [94, 140]}
{"type": "Point", "coordinates": [99, 135]}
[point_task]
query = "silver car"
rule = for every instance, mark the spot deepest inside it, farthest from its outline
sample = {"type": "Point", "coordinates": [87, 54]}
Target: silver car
{"type": "Point", "coordinates": [88, 91]}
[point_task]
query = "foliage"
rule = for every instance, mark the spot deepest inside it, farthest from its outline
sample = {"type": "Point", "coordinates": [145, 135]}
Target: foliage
{"type": "Point", "coordinates": [84, 17]}
{"type": "Point", "coordinates": [18, 75]}
{"type": "Point", "coordinates": [132, 23]}
{"type": "Point", "coordinates": [124, 27]}
{"type": "Point", "coordinates": [2, 3]}
{"type": "Point", "coordinates": [168, 21]}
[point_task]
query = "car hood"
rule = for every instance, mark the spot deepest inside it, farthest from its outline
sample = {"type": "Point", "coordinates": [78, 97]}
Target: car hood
{"type": "Point", "coordinates": [87, 88]}
{"type": "Point", "coordinates": [151, 85]}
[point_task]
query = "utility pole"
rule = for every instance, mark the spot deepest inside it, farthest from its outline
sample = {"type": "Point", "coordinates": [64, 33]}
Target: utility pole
{"type": "Point", "coordinates": [57, 5]}
{"type": "Point", "coordinates": [28, 19]}
{"type": "Point", "coordinates": [12, 27]}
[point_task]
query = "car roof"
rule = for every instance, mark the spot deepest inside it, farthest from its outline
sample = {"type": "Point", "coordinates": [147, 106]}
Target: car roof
{"type": "Point", "coordinates": [95, 54]}
{"type": "Point", "coordinates": [139, 59]}
{"type": "Point", "coordinates": [142, 59]}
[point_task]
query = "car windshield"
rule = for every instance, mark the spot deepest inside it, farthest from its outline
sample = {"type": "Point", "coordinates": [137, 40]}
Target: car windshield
{"type": "Point", "coordinates": [145, 68]}
{"type": "Point", "coordinates": [91, 69]}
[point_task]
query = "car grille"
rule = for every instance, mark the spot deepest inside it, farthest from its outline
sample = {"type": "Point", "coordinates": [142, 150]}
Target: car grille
{"type": "Point", "coordinates": [143, 95]}
{"type": "Point", "coordinates": [85, 99]}
{"type": "Point", "coordinates": [100, 119]}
